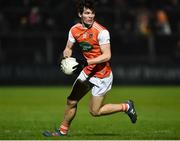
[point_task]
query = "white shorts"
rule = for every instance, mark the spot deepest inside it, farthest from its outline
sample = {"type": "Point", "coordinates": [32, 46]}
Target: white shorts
{"type": "Point", "coordinates": [101, 85]}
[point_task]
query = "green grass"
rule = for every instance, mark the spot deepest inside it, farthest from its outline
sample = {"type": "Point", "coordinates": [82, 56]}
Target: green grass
{"type": "Point", "coordinates": [25, 112]}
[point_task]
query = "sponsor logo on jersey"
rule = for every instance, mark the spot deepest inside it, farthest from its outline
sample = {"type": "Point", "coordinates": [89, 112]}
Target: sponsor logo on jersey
{"type": "Point", "coordinates": [85, 46]}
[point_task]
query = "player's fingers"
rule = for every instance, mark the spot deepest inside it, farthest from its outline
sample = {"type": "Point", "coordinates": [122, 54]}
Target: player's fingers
{"type": "Point", "coordinates": [76, 66]}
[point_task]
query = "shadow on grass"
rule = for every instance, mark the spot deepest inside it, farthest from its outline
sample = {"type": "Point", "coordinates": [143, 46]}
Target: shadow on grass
{"type": "Point", "coordinates": [97, 134]}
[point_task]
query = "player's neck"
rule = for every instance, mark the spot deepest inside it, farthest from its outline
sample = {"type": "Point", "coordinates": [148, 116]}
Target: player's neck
{"type": "Point", "coordinates": [86, 25]}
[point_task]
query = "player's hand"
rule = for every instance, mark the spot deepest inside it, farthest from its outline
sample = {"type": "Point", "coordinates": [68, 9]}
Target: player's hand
{"type": "Point", "coordinates": [81, 64]}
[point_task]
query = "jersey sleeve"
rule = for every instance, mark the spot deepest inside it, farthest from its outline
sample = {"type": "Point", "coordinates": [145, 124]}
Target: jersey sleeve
{"type": "Point", "coordinates": [71, 38]}
{"type": "Point", "coordinates": [104, 37]}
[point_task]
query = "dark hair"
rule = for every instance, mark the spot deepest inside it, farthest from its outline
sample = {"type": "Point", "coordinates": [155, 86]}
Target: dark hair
{"type": "Point", "coordinates": [87, 4]}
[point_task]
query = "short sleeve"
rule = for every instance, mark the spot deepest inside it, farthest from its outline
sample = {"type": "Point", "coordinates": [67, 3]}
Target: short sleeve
{"type": "Point", "coordinates": [104, 37]}
{"type": "Point", "coordinates": [71, 38]}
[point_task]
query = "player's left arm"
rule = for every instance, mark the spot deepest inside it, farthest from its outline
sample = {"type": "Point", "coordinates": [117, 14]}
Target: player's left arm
{"type": "Point", "coordinates": [104, 57]}
{"type": "Point", "coordinates": [105, 46]}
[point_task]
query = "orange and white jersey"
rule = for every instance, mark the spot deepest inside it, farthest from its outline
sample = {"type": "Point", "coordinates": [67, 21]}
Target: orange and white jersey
{"type": "Point", "coordinates": [90, 41]}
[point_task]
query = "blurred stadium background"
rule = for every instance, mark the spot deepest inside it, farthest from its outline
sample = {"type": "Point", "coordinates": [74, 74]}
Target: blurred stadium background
{"type": "Point", "coordinates": [144, 36]}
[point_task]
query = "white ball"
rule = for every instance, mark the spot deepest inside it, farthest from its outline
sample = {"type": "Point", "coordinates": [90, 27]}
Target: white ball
{"type": "Point", "coordinates": [67, 65]}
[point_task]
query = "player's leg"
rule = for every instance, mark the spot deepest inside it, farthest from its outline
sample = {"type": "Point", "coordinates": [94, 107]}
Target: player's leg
{"type": "Point", "coordinates": [97, 106]}
{"type": "Point", "coordinates": [80, 88]}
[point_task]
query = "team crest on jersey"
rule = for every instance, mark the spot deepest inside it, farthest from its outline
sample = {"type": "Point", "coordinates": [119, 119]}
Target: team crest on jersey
{"type": "Point", "coordinates": [85, 46]}
{"type": "Point", "coordinates": [90, 35]}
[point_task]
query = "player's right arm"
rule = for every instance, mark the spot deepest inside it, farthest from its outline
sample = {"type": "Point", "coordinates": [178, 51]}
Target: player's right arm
{"type": "Point", "coordinates": [68, 49]}
{"type": "Point", "coordinates": [69, 45]}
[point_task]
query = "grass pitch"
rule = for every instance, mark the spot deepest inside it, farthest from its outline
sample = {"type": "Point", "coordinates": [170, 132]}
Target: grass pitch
{"type": "Point", "coordinates": [25, 112]}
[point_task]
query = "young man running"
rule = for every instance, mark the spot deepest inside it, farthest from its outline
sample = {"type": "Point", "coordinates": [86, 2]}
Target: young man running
{"type": "Point", "coordinates": [96, 74]}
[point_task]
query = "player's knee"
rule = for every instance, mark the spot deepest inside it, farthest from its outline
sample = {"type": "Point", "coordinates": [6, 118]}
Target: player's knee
{"type": "Point", "coordinates": [71, 103]}
{"type": "Point", "coordinates": [94, 113]}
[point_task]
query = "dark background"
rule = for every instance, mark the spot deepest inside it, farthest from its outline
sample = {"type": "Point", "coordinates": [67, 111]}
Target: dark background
{"type": "Point", "coordinates": [33, 34]}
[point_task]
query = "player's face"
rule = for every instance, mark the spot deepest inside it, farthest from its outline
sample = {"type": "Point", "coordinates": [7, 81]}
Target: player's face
{"type": "Point", "coordinates": [87, 16]}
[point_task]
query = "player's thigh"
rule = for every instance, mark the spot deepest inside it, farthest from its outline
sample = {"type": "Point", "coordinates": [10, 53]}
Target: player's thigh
{"type": "Point", "coordinates": [80, 88]}
{"type": "Point", "coordinates": [96, 103]}
{"type": "Point", "coordinates": [101, 86]}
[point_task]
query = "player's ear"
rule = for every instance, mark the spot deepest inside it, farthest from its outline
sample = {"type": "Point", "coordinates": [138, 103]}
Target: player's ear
{"type": "Point", "coordinates": [79, 15]}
